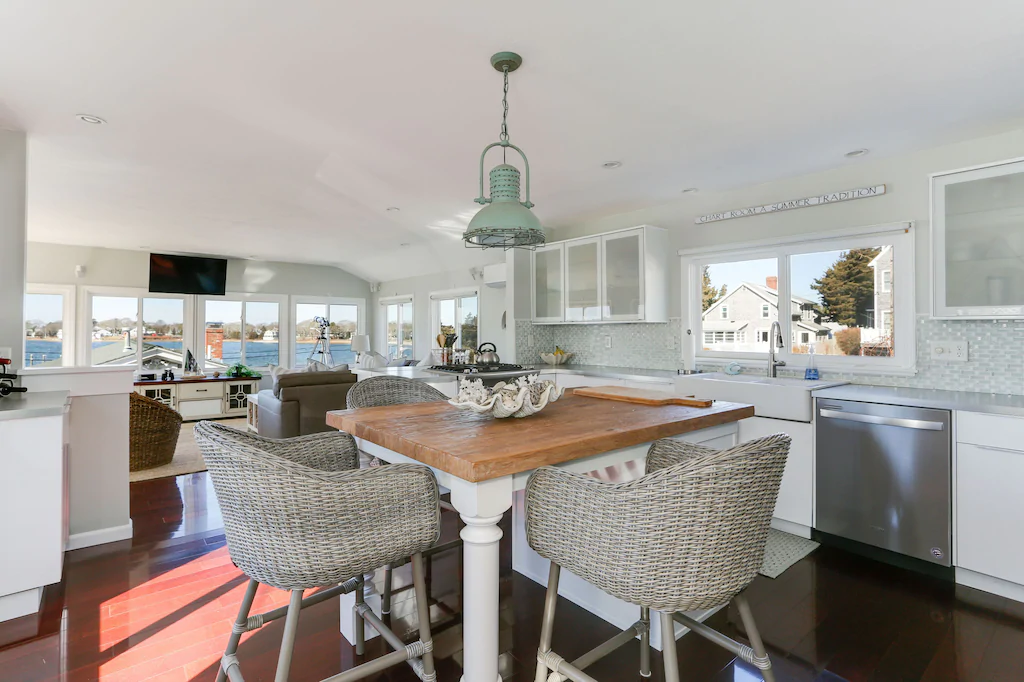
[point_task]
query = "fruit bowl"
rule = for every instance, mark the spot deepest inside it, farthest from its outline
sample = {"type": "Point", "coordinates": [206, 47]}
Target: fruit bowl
{"type": "Point", "coordinates": [553, 359]}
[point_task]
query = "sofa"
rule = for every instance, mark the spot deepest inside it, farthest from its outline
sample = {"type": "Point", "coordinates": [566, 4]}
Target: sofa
{"type": "Point", "coordinates": [298, 403]}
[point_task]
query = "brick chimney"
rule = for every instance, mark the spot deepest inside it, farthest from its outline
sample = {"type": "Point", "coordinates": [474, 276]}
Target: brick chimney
{"type": "Point", "coordinates": [215, 343]}
{"type": "Point", "coordinates": [772, 283]}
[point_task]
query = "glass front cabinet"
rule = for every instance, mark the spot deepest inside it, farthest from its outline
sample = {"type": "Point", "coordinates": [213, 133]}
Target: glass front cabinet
{"type": "Point", "coordinates": [978, 242]}
{"type": "Point", "coordinates": [619, 276]}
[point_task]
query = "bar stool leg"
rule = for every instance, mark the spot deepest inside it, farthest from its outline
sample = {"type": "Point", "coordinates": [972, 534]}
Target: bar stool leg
{"type": "Point", "coordinates": [358, 626]}
{"type": "Point", "coordinates": [243, 616]}
{"type": "Point", "coordinates": [423, 611]}
{"type": "Point", "coordinates": [291, 626]}
{"type": "Point", "coordinates": [645, 643]}
{"type": "Point", "coordinates": [385, 606]}
{"type": "Point", "coordinates": [548, 622]}
{"type": "Point", "coordinates": [668, 647]}
{"type": "Point", "coordinates": [754, 636]}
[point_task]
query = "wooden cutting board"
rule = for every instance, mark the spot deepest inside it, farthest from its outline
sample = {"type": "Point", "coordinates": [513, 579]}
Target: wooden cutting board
{"type": "Point", "coordinates": [640, 396]}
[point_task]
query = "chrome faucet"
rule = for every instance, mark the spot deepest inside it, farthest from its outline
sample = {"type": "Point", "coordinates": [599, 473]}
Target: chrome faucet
{"type": "Point", "coordinates": [774, 341]}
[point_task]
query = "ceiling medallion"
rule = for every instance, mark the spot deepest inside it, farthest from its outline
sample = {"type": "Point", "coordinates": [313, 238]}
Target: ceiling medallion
{"type": "Point", "coordinates": [504, 222]}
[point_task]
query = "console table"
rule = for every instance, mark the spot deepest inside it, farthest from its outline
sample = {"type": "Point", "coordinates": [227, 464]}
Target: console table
{"type": "Point", "coordinates": [202, 397]}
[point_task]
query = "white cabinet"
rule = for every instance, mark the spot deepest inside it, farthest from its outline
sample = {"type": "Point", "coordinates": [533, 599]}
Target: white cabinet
{"type": "Point", "coordinates": [989, 482]}
{"type": "Point", "coordinates": [795, 503]}
{"type": "Point", "coordinates": [549, 283]}
{"type": "Point", "coordinates": [619, 276]}
{"type": "Point", "coordinates": [977, 236]}
{"type": "Point", "coordinates": [583, 280]}
{"type": "Point", "coordinates": [203, 399]}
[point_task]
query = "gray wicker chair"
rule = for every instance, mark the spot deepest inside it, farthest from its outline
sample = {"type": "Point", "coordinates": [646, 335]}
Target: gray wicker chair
{"type": "Point", "coordinates": [688, 535]}
{"type": "Point", "coordinates": [385, 391]}
{"type": "Point", "coordinates": [300, 514]}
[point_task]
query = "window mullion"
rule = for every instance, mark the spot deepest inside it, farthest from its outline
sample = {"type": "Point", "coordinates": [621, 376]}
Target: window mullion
{"type": "Point", "coordinates": [242, 337]}
{"type": "Point", "coordinates": [785, 306]}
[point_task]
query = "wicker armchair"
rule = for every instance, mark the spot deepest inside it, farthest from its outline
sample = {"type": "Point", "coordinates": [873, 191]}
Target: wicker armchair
{"type": "Point", "coordinates": [688, 535]}
{"type": "Point", "coordinates": [299, 514]}
{"type": "Point", "coordinates": [384, 391]}
{"type": "Point", "coordinates": [153, 430]}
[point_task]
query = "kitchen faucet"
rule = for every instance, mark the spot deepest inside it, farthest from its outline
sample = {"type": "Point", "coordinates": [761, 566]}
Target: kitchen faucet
{"type": "Point", "coordinates": [774, 341]}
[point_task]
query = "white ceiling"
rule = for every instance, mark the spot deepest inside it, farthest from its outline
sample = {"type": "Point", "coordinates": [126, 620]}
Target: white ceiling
{"type": "Point", "coordinates": [283, 130]}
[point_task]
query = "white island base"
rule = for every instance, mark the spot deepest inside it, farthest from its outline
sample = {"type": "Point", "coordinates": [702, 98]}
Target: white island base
{"type": "Point", "coordinates": [482, 506]}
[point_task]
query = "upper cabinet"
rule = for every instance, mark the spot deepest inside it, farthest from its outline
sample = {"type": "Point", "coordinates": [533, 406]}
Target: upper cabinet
{"type": "Point", "coordinates": [619, 276]}
{"type": "Point", "coordinates": [978, 242]}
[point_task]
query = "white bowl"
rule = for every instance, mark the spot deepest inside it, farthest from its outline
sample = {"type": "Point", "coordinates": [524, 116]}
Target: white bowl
{"type": "Point", "coordinates": [553, 359]}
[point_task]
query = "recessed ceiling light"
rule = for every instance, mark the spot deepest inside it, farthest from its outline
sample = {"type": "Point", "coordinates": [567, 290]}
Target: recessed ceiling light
{"type": "Point", "coordinates": [89, 118]}
{"type": "Point", "coordinates": [404, 244]}
{"type": "Point", "coordinates": [855, 153]}
{"type": "Point", "coordinates": [393, 209]}
{"type": "Point", "coordinates": [611, 165]}
{"type": "Point", "coordinates": [690, 190]}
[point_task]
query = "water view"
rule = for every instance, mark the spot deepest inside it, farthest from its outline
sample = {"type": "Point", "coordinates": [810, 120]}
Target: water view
{"type": "Point", "coordinates": [257, 353]}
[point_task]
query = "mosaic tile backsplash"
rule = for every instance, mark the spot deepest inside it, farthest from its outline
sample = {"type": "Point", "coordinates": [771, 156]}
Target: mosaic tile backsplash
{"type": "Point", "coordinates": [995, 364]}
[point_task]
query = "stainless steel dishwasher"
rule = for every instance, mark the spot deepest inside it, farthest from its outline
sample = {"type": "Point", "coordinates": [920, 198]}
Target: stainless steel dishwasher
{"type": "Point", "coordinates": [883, 477]}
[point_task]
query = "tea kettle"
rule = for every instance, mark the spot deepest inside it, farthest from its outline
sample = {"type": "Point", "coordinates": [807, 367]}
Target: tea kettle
{"type": "Point", "coordinates": [487, 357]}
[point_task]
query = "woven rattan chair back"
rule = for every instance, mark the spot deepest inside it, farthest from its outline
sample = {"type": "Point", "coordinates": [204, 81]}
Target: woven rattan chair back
{"type": "Point", "coordinates": [297, 514]}
{"type": "Point", "coordinates": [385, 391]}
{"type": "Point", "coordinates": [690, 534]}
{"type": "Point", "coordinates": [153, 430]}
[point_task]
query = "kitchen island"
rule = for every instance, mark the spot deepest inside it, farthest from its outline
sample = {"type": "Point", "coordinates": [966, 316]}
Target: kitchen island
{"type": "Point", "coordinates": [485, 462]}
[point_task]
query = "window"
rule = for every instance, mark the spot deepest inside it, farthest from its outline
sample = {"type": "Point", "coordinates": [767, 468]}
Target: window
{"type": "Point", "coordinates": [222, 335]}
{"type": "Point", "coordinates": [115, 324]}
{"type": "Point", "coordinates": [49, 325]}
{"type": "Point", "coordinates": [457, 313]}
{"type": "Point", "coordinates": [399, 330]}
{"type": "Point", "coordinates": [163, 333]}
{"type": "Point", "coordinates": [850, 298]}
{"type": "Point", "coordinates": [240, 328]}
{"type": "Point", "coordinates": [724, 312]}
{"type": "Point", "coordinates": [343, 320]}
{"type": "Point", "coordinates": [262, 333]}
{"type": "Point", "coordinates": [129, 327]}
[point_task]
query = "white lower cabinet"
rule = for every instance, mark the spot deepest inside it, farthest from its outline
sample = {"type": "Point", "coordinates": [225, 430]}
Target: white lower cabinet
{"type": "Point", "coordinates": [796, 495]}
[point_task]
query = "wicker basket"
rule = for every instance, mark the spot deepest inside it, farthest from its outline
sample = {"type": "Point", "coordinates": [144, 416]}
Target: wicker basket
{"type": "Point", "coordinates": [153, 430]}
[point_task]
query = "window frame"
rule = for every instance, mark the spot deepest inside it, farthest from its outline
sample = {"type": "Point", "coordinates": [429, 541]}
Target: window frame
{"type": "Point", "coordinates": [285, 325]}
{"type": "Point", "coordinates": [766, 311]}
{"type": "Point", "coordinates": [398, 300]}
{"type": "Point", "coordinates": [297, 299]}
{"type": "Point", "coordinates": [446, 295]}
{"type": "Point", "coordinates": [900, 235]}
{"type": "Point", "coordinates": [83, 328]}
{"type": "Point", "coordinates": [69, 330]}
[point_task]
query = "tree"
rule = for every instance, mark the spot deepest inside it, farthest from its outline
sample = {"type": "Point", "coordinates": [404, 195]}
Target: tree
{"type": "Point", "coordinates": [847, 288]}
{"type": "Point", "coordinates": [848, 341]}
{"type": "Point", "coordinates": [710, 294]}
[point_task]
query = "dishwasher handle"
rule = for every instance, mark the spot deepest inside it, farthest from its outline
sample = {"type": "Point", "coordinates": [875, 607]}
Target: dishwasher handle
{"type": "Point", "coordinates": [919, 424]}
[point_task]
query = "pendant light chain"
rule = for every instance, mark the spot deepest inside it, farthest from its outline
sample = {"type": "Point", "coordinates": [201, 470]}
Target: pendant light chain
{"type": "Point", "coordinates": [504, 116]}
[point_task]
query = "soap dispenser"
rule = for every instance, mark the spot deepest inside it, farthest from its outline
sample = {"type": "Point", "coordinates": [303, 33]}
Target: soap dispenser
{"type": "Point", "coordinates": [811, 373]}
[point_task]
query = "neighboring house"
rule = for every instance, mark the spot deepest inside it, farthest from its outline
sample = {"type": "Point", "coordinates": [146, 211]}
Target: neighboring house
{"type": "Point", "coordinates": [880, 335]}
{"type": "Point", "coordinates": [742, 320]}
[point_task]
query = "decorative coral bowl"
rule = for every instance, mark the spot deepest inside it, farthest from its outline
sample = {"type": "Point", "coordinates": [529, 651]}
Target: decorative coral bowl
{"type": "Point", "coordinates": [528, 395]}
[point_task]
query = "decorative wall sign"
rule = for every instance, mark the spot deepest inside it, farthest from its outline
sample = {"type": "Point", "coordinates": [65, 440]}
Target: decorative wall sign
{"type": "Point", "coordinates": [818, 200]}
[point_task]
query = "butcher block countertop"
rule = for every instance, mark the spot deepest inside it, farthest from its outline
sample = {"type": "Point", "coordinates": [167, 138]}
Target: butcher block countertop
{"type": "Point", "coordinates": [477, 447]}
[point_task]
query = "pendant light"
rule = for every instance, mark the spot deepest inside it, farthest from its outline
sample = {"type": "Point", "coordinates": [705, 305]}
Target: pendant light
{"type": "Point", "coordinates": [505, 221]}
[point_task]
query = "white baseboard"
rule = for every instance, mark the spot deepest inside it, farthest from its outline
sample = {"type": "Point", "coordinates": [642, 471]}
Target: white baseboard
{"type": "Point", "coordinates": [20, 603]}
{"type": "Point", "coordinates": [102, 536]}
{"type": "Point", "coordinates": [987, 583]}
{"type": "Point", "coordinates": [791, 528]}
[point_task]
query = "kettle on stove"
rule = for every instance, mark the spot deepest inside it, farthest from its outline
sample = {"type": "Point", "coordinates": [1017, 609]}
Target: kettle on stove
{"type": "Point", "coordinates": [487, 357]}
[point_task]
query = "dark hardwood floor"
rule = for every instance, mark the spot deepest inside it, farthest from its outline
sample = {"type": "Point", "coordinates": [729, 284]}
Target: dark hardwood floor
{"type": "Point", "coordinates": [159, 607]}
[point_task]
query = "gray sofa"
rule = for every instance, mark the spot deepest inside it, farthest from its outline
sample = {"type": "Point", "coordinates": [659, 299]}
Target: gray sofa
{"type": "Point", "coordinates": [298, 403]}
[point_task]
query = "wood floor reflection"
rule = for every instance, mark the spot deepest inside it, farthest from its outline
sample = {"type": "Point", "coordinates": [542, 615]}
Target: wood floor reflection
{"type": "Point", "coordinates": [159, 608]}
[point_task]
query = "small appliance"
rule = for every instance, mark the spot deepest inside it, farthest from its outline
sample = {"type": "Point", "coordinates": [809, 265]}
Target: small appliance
{"type": "Point", "coordinates": [9, 383]}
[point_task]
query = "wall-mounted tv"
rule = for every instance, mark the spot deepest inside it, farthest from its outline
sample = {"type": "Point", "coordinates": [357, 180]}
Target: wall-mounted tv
{"type": "Point", "coordinates": [187, 275]}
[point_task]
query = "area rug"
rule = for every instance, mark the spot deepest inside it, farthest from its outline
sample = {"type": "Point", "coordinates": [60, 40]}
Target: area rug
{"type": "Point", "coordinates": [187, 458]}
{"type": "Point", "coordinates": [782, 551]}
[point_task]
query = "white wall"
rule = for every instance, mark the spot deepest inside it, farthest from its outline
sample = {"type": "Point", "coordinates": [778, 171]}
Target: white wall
{"type": "Point", "coordinates": [907, 198]}
{"type": "Point", "coordinates": [55, 264]}
{"type": "Point", "coordinates": [492, 305]}
{"type": "Point", "coordinates": [12, 242]}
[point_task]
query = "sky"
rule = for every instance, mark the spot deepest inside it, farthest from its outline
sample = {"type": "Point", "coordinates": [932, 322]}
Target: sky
{"type": "Point", "coordinates": [804, 269]}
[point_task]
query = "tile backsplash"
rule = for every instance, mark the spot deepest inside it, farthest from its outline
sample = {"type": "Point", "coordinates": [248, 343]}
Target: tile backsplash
{"type": "Point", "coordinates": [995, 364]}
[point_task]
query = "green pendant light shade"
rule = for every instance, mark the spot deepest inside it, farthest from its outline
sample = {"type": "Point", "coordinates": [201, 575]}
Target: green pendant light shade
{"type": "Point", "coordinates": [505, 221]}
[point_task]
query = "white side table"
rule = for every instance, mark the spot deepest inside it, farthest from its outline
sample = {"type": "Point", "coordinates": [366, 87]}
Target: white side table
{"type": "Point", "coordinates": [252, 415]}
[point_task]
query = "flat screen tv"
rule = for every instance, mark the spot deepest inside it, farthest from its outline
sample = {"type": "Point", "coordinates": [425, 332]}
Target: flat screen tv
{"type": "Point", "coordinates": [187, 275]}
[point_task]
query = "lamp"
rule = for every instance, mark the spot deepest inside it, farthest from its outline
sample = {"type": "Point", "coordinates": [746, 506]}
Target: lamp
{"type": "Point", "coordinates": [504, 221]}
{"type": "Point", "coordinates": [360, 343]}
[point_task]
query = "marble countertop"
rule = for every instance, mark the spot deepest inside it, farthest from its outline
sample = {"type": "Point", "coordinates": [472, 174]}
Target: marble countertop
{"type": "Point", "coordinates": [38, 404]}
{"type": "Point", "coordinates": [632, 373]}
{"type": "Point", "coordinates": [1012, 405]}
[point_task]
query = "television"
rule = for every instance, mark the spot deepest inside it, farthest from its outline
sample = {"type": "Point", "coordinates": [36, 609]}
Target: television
{"type": "Point", "coordinates": [187, 275]}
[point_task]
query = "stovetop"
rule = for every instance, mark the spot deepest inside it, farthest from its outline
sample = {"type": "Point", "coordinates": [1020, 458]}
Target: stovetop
{"type": "Point", "coordinates": [478, 368]}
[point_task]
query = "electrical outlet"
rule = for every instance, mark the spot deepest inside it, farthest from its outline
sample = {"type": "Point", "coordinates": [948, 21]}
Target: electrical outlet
{"type": "Point", "coordinates": [949, 351]}
{"type": "Point", "coordinates": [607, 341]}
